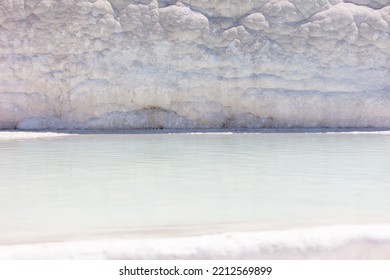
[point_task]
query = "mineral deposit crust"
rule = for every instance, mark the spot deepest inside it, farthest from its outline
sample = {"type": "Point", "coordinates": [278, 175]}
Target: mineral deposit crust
{"type": "Point", "coordinates": [124, 64]}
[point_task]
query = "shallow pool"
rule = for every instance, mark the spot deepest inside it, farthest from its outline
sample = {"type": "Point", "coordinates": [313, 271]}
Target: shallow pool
{"type": "Point", "coordinates": [148, 185]}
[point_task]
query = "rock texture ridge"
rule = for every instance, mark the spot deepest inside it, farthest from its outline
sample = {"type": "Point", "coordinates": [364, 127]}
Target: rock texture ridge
{"type": "Point", "coordinates": [122, 64]}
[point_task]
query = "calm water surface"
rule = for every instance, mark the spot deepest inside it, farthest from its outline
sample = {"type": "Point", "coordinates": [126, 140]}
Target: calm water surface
{"type": "Point", "coordinates": [101, 184]}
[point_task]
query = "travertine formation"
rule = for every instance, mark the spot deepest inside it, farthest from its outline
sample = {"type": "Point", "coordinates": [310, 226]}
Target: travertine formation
{"type": "Point", "coordinates": [122, 64]}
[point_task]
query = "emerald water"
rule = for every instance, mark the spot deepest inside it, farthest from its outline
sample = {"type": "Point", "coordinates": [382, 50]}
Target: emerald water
{"type": "Point", "coordinates": [142, 185]}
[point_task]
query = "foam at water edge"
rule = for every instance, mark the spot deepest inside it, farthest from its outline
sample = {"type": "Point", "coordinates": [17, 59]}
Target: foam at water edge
{"type": "Point", "coordinates": [18, 135]}
{"type": "Point", "coordinates": [332, 242]}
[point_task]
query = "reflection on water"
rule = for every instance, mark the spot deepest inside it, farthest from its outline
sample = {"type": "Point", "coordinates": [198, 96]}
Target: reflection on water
{"type": "Point", "coordinates": [96, 183]}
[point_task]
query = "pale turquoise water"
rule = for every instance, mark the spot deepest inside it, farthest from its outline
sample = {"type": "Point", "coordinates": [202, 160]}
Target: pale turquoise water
{"type": "Point", "coordinates": [86, 185]}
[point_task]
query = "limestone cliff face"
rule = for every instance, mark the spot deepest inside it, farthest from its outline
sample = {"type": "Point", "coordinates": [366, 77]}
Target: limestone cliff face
{"type": "Point", "coordinates": [121, 64]}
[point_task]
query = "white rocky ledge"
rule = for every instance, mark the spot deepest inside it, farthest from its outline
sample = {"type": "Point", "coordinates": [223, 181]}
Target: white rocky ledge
{"type": "Point", "coordinates": [124, 64]}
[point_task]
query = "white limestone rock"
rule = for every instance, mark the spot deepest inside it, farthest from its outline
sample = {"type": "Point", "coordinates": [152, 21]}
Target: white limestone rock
{"type": "Point", "coordinates": [255, 21]}
{"type": "Point", "coordinates": [122, 64]}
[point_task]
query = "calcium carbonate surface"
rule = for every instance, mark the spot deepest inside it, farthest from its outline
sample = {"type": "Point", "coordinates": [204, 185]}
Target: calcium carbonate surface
{"type": "Point", "coordinates": [123, 64]}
